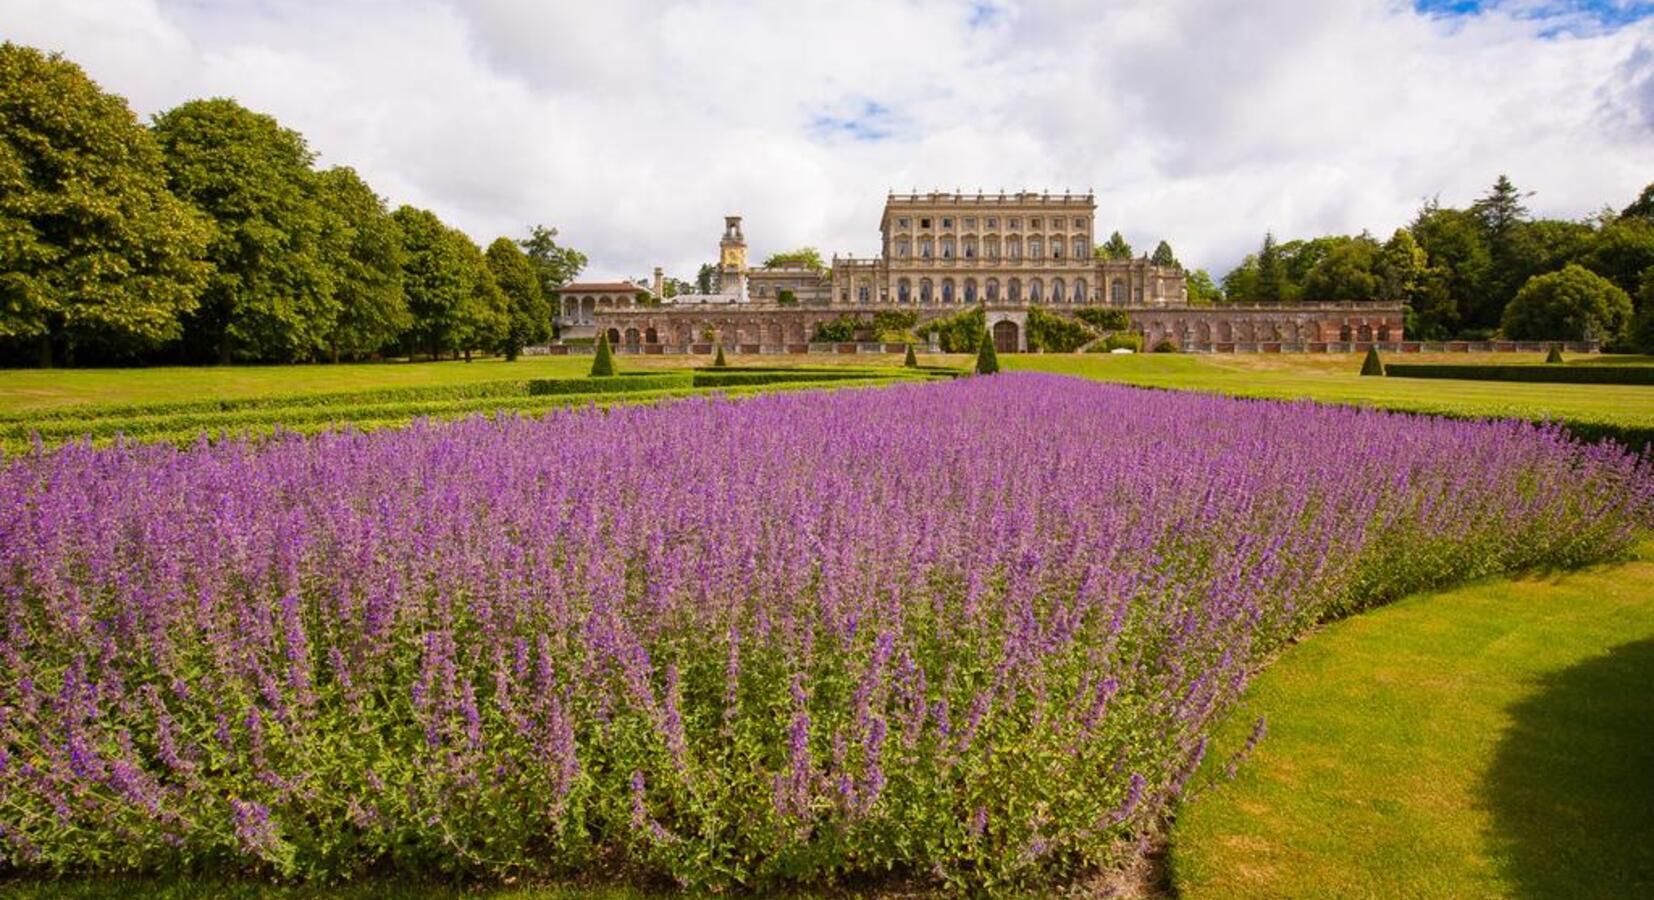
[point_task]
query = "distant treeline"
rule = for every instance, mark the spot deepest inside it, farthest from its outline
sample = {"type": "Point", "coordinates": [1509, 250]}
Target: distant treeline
{"type": "Point", "coordinates": [1475, 272]}
{"type": "Point", "coordinates": [209, 236]}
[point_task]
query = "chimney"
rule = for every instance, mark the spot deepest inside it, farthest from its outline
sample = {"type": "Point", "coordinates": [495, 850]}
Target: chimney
{"type": "Point", "coordinates": [660, 284]}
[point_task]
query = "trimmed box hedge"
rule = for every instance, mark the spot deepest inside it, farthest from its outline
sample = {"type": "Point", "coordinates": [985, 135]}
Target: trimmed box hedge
{"type": "Point", "coordinates": [1564, 374]}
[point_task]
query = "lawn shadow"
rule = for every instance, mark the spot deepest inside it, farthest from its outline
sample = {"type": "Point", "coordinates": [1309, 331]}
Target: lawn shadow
{"type": "Point", "coordinates": [1571, 787]}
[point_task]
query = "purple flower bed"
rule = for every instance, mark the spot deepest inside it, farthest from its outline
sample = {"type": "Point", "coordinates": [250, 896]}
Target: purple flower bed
{"type": "Point", "coordinates": [974, 631]}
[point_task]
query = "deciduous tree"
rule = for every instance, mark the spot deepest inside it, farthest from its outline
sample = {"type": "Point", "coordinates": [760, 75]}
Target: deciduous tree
{"type": "Point", "coordinates": [270, 296]}
{"type": "Point", "coordinates": [94, 247]}
{"type": "Point", "coordinates": [528, 315]}
{"type": "Point", "coordinates": [1573, 304]}
{"type": "Point", "coordinates": [362, 245]}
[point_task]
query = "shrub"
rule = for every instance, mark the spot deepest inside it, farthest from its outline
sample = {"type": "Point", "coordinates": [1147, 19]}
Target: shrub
{"type": "Point", "coordinates": [718, 361]}
{"type": "Point", "coordinates": [1564, 374]}
{"type": "Point", "coordinates": [911, 360]}
{"type": "Point", "coordinates": [1165, 346]}
{"type": "Point", "coordinates": [987, 357]}
{"type": "Point", "coordinates": [1103, 318]}
{"type": "Point", "coordinates": [1555, 354]}
{"type": "Point", "coordinates": [1056, 333]}
{"type": "Point", "coordinates": [603, 364]}
{"type": "Point", "coordinates": [1126, 341]}
{"type": "Point", "coordinates": [1372, 365]}
{"type": "Point", "coordinates": [448, 650]}
{"type": "Point", "coordinates": [786, 298]}
{"type": "Point", "coordinates": [837, 330]}
{"type": "Point", "coordinates": [961, 332]}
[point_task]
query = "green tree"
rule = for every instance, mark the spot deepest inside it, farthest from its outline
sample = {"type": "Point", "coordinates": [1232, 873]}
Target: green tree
{"type": "Point", "coordinates": [557, 265]}
{"type": "Point", "coordinates": [910, 360]}
{"type": "Point", "coordinates": [1622, 251]}
{"type": "Point", "coordinates": [1346, 272]}
{"type": "Point", "coordinates": [483, 319]}
{"type": "Point", "coordinates": [1372, 364]}
{"type": "Point", "coordinates": [95, 250]}
{"type": "Point", "coordinates": [362, 246]}
{"type": "Point", "coordinates": [435, 279]}
{"type": "Point", "coordinates": [528, 314]}
{"type": "Point", "coordinates": [1400, 268]}
{"type": "Point", "coordinates": [1641, 336]}
{"type": "Point", "coordinates": [1201, 289]}
{"type": "Point", "coordinates": [603, 365]}
{"type": "Point", "coordinates": [1241, 284]}
{"type": "Point", "coordinates": [271, 294]}
{"type": "Point", "coordinates": [1271, 284]}
{"type": "Point", "coordinates": [1452, 240]}
{"type": "Point", "coordinates": [1115, 248]}
{"type": "Point", "coordinates": [704, 277]}
{"type": "Point", "coordinates": [987, 357]}
{"type": "Point", "coordinates": [807, 257]}
{"type": "Point", "coordinates": [1642, 207]}
{"type": "Point", "coordinates": [718, 361]}
{"type": "Point", "coordinates": [1163, 256]}
{"type": "Point", "coordinates": [1573, 304]}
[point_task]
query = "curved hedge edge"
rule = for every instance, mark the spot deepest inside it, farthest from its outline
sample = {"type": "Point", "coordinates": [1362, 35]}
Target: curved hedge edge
{"type": "Point", "coordinates": [1639, 375]}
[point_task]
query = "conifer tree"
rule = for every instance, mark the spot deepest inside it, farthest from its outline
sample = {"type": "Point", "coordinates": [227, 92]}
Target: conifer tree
{"type": "Point", "coordinates": [604, 365]}
{"type": "Point", "coordinates": [987, 358]}
{"type": "Point", "coordinates": [1372, 365]}
{"type": "Point", "coordinates": [1555, 356]}
{"type": "Point", "coordinates": [910, 361]}
{"type": "Point", "coordinates": [718, 362]}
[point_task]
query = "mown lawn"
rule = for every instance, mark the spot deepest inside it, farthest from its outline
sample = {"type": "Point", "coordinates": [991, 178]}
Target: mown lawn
{"type": "Point", "coordinates": [1336, 378]}
{"type": "Point", "coordinates": [1493, 740]}
{"type": "Point", "coordinates": [22, 390]}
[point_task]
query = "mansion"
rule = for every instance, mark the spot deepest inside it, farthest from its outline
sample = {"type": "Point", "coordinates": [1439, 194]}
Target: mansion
{"type": "Point", "coordinates": [941, 254]}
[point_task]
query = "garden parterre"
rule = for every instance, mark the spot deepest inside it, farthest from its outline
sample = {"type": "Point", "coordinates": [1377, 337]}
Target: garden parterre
{"type": "Point", "coordinates": [976, 631]}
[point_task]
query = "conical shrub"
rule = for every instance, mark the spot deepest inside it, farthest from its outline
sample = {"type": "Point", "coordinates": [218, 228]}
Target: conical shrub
{"type": "Point", "coordinates": [987, 358]}
{"type": "Point", "coordinates": [718, 362]}
{"type": "Point", "coordinates": [604, 364]}
{"type": "Point", "coordinates": [1555, 356]}
{"type": "Point", "coordinates": [910, 360]}
{"type": "Point", "coordinates": [1372, 365]}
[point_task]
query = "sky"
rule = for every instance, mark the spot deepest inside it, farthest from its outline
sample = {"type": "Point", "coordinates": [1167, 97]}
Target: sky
{"type": "Point", "coordinates": [634, 126]}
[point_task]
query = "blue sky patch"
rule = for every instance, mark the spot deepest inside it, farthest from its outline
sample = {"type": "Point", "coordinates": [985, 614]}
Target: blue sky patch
{"type": "Point", "coordinates": [1601, 13]}
{"type": "Point", "coordinates": [867, 121]}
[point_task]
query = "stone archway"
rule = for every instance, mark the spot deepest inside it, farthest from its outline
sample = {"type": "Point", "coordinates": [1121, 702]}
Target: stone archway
{"type": "Point", "coordinates": [1006, 335]}
{"type": "Point", "coordinates": [614, 337]}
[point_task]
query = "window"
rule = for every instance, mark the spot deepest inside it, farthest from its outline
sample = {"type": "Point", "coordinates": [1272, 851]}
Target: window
{"type": "Point", "coordinates": [1013, 223]}
{"type": "Point", "coordinates": [924, 223]}
{"type": "Point", "coordinates": [1079, 223]}
{"type": "Point", "coordinates": [969, 222]}
{"type": "Point", "coordinates": [1079, 248]}
{"type": "Point", "coordinates": [993, 222]}
{"type": "Point", "coordinates": [903, 223]}
{"type": "Point", "coordinates": [947, 223]}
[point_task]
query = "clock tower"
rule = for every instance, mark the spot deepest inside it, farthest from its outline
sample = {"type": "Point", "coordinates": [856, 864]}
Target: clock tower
{"type": "Point", "coordinates": [732, 259]}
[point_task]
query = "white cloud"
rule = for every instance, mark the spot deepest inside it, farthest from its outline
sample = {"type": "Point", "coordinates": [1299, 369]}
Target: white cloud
{"type": "Point", "coordinates": [635, 126]}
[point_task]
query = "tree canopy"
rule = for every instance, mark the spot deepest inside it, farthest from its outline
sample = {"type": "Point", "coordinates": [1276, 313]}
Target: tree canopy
{"type": "Point", "coordinates": [1573, 304]}
{"type": "Point", "coordinates": [362, 244]}
{"type": "Point", "coordinates": [807, 257]}
{"type": "Point", "coordinates": [95, 249]}
{"type": "Point", "coordinates": [1114, 248]}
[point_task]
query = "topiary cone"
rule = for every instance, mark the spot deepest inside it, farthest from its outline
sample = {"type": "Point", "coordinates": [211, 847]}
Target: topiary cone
{"type": "Point", "coordinates": [910, 361]}
{"type": "Point", "coordinates": [1555, 356]}
{"type": "Point", "coordinates": [718, 361]}
{"type": "Point", "coordinates": [987, 358]}
{"type": "Point", "coordinates": [604, 364]}
{"type": "Point", "coordinates": [1372, 365]}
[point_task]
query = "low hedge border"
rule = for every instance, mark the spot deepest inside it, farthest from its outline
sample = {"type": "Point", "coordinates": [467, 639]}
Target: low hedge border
{"type": "Point", "coordinates": [1563, 374]}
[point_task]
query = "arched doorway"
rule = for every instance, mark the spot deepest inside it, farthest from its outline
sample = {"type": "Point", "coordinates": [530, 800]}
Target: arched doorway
{"type": "Point", "coordinates": [614, 337]}
{"type": "Point", "coordinates": [632, 336]}
{"type": "Point", "coordinates": [1005, 336]}
{"type": "Point", "coordinates": [651, 336]}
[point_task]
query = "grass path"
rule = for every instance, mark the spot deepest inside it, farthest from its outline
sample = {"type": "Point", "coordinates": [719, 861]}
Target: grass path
{"type": "Point", "coordinates": [1492, 740]}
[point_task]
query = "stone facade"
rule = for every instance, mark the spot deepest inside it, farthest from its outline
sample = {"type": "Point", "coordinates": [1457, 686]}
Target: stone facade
{"type": "Point", "coordinates": [944, 253]}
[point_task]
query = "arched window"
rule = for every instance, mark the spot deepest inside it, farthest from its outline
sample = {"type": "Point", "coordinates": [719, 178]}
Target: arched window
{"type": "Point", "coordinates": [1013, 247]}
{"type": "Point", "coordinates": [924, 290]}
{"type": "Point", "coordinates": [970, 290]}
{"type": "Point", "coordinates": [993, 289]}
{"type": "Point", "coordinates": [1080, 296]}
{"type": "Point", "coordinates": [947, 247]}
{"type": "Point", "coordinates": [1013, 290]}
{"type": "Point", "coordinates": [1035, 248]}
{"type": "Point", "coordinates": [1057, 295]}
{"type": "Point", "coordinates": [1034, 286]}
{"type": "Point", "coordinates": [925, 248]}
{"type": "Point", "coordinates": [904, 290]}
{"type": "Point", "coordinates": [947, 290]}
